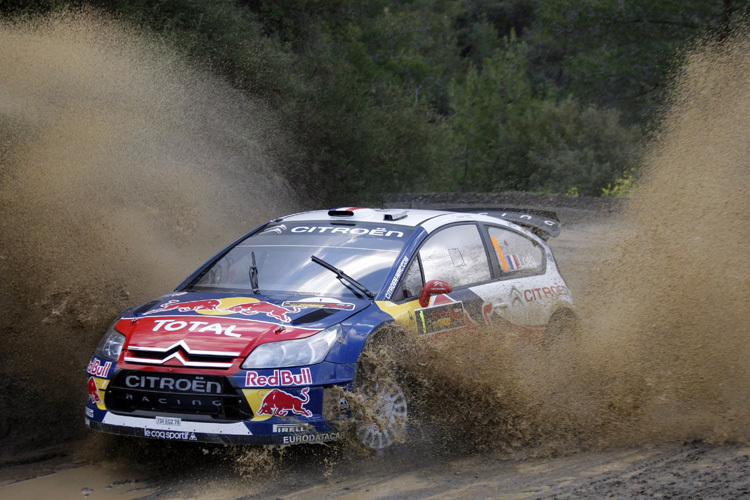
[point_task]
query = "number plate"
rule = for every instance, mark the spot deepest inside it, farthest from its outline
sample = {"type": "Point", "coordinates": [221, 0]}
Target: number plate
{"type": "Point", "coordinates": [168, 420]}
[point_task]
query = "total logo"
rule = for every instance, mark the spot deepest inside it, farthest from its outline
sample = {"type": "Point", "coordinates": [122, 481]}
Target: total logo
{"type": "Point", "coordinates": [97, 369]}
{"type": "Point", "coordinates": [279, 378]}
{"type": "Point", "coordinates": [170, 325]}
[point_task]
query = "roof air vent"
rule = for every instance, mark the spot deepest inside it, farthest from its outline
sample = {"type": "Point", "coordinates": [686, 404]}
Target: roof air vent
{"type": "Point", "coordinates": [395, 215]}
{"type": "Point", "coordinates": [343, 212]}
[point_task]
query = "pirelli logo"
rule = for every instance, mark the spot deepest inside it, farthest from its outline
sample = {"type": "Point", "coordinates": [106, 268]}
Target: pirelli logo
{"type": "Point", "coordinates": [289, 428]}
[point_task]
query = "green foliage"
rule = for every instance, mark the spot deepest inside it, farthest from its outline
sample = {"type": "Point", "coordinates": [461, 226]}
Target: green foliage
{"type": "Point", "coordinates": [369, 141]}
{"type": "Point", "coordinates": [440, 95]}
{"type": "Point", "coordinates": [486, 102]}
{"type": "Point", "coordinates": [565, 145]}
{"type": "Point", "coordinates": [622, 187]}
{"type": "Point", "coordinates": [411, 45]}
{"type": "Point", "coordinates": [512, 138]}
{"type": "Point", "coordinates": [619, 54]}
{"type": "Point", "coordinates": [220, 35]}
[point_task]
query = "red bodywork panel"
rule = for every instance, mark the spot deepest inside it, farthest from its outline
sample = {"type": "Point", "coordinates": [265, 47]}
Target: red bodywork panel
{"type": "Point", "coordinates": [187, 334]}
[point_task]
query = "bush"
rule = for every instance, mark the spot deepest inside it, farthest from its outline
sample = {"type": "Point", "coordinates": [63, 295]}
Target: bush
{"type": "Point", "coordinates": [567, 145]}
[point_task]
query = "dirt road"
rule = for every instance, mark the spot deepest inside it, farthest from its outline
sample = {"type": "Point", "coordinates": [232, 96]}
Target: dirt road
{"type": "Point", "coordinates": [674, 470]}
{"type": "Point", "coordinates": [111, 468]}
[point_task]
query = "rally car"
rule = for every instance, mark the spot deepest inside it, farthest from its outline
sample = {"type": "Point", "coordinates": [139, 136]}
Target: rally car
{"type": "Point", "coordinates": [255, 346]}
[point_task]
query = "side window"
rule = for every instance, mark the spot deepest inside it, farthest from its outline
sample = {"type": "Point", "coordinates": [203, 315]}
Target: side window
{"type": "Point", "coordinates": [455, 254]}
{"type": "Point", "coordinates": [515, 252]}
{"type": "Point", "coordinates": [411, 283]}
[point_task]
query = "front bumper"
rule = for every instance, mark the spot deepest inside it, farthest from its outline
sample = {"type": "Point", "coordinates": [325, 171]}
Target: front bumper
{"type": "Point", "coordinates": [227, 433]}
{"type": "Point", "coordinates": [239, 409]}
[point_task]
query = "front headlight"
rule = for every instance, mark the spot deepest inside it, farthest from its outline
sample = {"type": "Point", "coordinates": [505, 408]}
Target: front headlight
{"type": "Point", "coordinates": [297, 352]}
{"type": "Point", "coordinates": [111, 345]}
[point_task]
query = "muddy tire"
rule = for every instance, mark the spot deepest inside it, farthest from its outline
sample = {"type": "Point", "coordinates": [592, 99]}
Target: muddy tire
{"type": "Point", "coordinates": [381, 411]}
{"type": "Point", "coordinates": [563, 325]}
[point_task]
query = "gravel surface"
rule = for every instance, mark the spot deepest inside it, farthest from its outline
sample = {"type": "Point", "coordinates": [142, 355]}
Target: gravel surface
{"type": "Point", "coordinates": [675, 470]}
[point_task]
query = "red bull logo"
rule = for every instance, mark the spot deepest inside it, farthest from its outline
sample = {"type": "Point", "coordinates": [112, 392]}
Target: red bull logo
{"type": "Point", "coordinates": [280, 403]}
{"type": "Point", "coordinates": [97, 369]}
{"type": "Point", "coordinates": [195, 305]}
{"type": "Point", "coordinates": [94, 391]}
{"type": "Point", "coordinates": [274, 311]}
{"type": "Point", "coordinates": [217, 307]}
{"type": "Point", "coordinates": [279, 377]}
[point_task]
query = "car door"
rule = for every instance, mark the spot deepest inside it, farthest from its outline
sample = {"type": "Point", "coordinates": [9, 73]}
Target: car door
{"type": "Point", "coordinates": [458, 255]}
{"type": "Point", "coordinates": [521, 269]}
{"type": "Point", "coordinates": [498, 275]}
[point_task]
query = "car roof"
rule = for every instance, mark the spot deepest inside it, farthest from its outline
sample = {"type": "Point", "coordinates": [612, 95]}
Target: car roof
{"type": "Point", "coordinates": [399, 216]}
{"type": "Point", "coordinates": [432, 219]}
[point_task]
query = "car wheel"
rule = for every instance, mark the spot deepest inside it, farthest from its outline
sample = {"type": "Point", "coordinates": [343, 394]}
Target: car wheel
{"type": "Point", "coordinates": [562, 325]}
{"type": "Point", "coordinates": [381, 412]}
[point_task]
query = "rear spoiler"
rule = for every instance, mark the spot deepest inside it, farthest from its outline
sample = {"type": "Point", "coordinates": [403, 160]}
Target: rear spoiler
{"type": "Point", "coordinates": [543, 223]}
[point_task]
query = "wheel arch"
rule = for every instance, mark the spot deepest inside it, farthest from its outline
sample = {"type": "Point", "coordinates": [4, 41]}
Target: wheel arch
{"type": "Point", "coordinates": [564, 322]}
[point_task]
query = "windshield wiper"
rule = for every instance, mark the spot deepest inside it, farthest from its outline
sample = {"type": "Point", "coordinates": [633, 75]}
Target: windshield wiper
{"type": "Point", "coordinates": [254, 274]}
{"type": "Point", "coordinates": [342, 275]}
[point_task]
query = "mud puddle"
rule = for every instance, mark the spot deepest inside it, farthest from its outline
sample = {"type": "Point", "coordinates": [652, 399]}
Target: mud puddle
{"type": "Point", "coordinates": [105, 481]}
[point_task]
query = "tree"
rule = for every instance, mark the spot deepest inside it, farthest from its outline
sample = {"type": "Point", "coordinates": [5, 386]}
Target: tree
{"type": "Point", "coordinates": [485, 102]}
{"type": "Point", "coordinates": [620, 54]}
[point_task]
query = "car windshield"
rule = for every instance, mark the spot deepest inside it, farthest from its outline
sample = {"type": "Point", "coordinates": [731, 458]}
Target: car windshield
{"type": "Point", "coordinates": [282, 253]}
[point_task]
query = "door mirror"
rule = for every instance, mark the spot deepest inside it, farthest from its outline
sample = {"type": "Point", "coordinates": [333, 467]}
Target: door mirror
{"type": "Point", "coordinates": [433, 287]}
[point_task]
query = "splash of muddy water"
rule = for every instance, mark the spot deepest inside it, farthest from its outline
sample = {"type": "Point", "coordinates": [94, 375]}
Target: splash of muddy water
{"type": "Point", "coordinates": [670, 305]}
{"type": "Point", "coordinates": [121, 170]}
{"type": "Point", "coordinates": [664, 345]}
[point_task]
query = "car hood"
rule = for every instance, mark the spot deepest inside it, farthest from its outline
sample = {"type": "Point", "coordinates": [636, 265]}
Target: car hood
{"type": "Point", "coordinates": [186, 329]}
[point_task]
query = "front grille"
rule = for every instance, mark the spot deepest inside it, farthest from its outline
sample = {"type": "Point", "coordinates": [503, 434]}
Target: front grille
{"type": "Point", "coordinates": [181, 353]}
{"type": "Point", "coordinates": [135, 392]}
